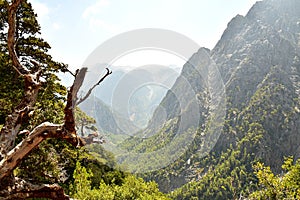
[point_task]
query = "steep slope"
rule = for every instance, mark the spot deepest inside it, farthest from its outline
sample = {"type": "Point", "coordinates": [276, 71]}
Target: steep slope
{"type": "Point", "coordinates": [258, 58]}
{"type": "Point", "coordinates": [107, 120]}
{"type": "Point", "coordinates": [128, 97]}
{"type": "Point", "coordinates": [174, 123]}
{"type": "Point", "coordinates": [259, 61]}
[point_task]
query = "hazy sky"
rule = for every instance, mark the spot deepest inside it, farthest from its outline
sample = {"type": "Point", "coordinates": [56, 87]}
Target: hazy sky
{"type": "Point", "coordinates": [74, 28]}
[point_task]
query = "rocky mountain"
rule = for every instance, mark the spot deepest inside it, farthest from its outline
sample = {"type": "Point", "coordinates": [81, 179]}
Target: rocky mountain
{"type": "Point", "coordinates": [103, 115]}
{"type": "Point", "coordinates": [126, 100]}
{"type": "Point", "coordinates": [258, 58]}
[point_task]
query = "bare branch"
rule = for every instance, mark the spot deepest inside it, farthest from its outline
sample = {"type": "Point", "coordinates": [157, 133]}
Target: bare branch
{"type": "Point", "coordinates": [80, 75]}
{"type": "Point", "coordinates": [24, 190]}
{"type": "Point", "coordinates": [67, 70]}
{"type": "Point", "coordinates": [108, 72]}
{"type": "Point", "coordinates": [14, 121]}
{"type": "Point", "coordinates": [40, 133]}
{"type": "Point", "coordinates": [13, 158]}
{"type": "Point", "coordinates": [45, 130]}
{"type": "Point", "coordinates": [25, 132]}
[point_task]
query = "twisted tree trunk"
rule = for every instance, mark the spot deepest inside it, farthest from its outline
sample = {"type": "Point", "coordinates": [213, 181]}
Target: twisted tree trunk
{"type": "Point", "coordinates": [11, 154]}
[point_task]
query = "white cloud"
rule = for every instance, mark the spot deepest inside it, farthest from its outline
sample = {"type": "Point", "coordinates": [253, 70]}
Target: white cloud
{"type": "Point", "coordinates": [94, 9]}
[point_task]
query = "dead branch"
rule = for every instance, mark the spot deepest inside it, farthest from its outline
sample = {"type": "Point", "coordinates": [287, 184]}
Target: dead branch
{"type": "Point", "coordinates": [23, 190]}
{"type": "Point", "coordinates": [108, 72]}
{"type": "Point", "coordinates": [45, 130]}
{"type": "Point", "coordinates": [40, 133]}
{"type": "Point", "coordinates": [67, 70]}
{"type": "Point", "coordinates": [80, 75]}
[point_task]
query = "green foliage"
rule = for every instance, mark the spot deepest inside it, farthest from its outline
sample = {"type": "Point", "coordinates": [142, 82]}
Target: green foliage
{"type": "Point", "coordinates": [102, 172]}
{"type": "Point", "coordinates": [230, 178]}
{"type": "Point", "coordinates": [84, 122]}
{"type": "Point", "coordinates": [44, 164]}
{"type": "Point", "coordinates": [29, 47]}
{"type": "Point", "coordinates": [131, 188]}
{"type": "Point", "coordinates": [286, 186]}
{"type": "Point", "coordinates": [82, 184]}
{"type": "Point", "coordinates": [227, 175]}
{"type": "Point", "coordinates": [46, 160]}
{"type": "Point", "coordinates": [11, 87]}
{"type": "Point", "coordinates": [136, 188]}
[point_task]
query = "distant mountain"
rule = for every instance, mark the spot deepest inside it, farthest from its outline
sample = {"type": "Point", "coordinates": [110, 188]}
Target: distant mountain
{"type": "Point", "coordinates": [258, 57]}
{"type": "Point", "coordinates": [128, 94]}
{"type": "Point", "coordinates": [104, 116]}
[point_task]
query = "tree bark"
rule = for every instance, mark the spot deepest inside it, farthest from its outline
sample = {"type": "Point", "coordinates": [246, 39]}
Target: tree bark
{"type": "Point", "coordinates": [23, 190]}
{"type": "Point", "coordinates": [10, 153]}
{"type": "Point", "coordinates": [13, 122]}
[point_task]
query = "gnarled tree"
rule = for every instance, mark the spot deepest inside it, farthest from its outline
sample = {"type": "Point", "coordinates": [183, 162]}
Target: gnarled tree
{"type": "Point", "coordinates": [35, 71]}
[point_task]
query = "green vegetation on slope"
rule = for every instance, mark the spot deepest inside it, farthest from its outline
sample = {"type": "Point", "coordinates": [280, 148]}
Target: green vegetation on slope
{"type": "Point", "coordinates": [272, 186]}
{"type": "Point", "coordinates": [129, 188]}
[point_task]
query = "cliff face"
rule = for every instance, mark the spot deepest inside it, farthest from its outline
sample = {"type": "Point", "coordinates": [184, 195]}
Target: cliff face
{"type": "Point", "coordinates": [258, 58]}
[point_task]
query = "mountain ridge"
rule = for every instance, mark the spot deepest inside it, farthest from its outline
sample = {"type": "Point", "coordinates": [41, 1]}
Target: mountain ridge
{"type": "Point", "coordinates": [259, 61]}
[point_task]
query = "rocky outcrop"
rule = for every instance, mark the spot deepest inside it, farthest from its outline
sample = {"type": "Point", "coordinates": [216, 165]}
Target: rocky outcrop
{"type": "Point", "coordinates": [258, 57]}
